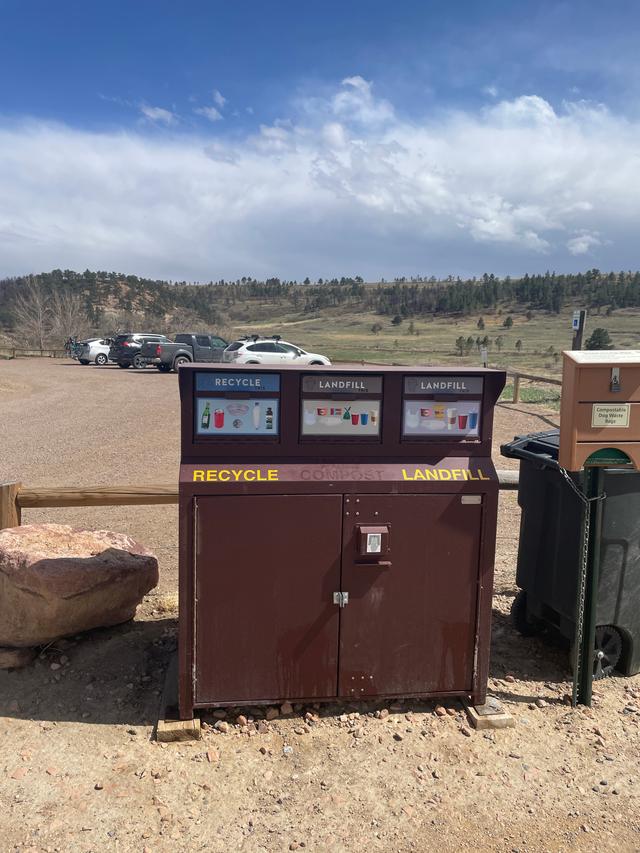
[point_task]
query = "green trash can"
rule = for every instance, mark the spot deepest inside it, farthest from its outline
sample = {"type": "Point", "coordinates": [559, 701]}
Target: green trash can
{"type": "Point", "coordinates": [549, 553]}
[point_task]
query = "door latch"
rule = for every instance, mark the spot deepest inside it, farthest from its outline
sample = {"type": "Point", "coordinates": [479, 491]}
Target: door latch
{"type": "Point", "coordinates": [341, 598]}
{"type": "Point", "coordinates": [615, 379]}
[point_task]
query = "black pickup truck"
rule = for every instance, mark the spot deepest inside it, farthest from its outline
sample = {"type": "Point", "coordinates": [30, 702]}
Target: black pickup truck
{"type": "Point", "coordinates": [167, 356]}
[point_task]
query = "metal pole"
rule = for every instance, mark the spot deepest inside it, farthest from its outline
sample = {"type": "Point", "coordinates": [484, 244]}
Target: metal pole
{"type": "Point", "coordinates": [587, 599]}
{"type": "Point", "coordinates": [579, 332]}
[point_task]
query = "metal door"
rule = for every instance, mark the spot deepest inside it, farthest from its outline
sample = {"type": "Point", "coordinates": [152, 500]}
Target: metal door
{"type": "Point", "coordinates": [266, 570]}
{"type": "Point", "coordinates": [409, 626]}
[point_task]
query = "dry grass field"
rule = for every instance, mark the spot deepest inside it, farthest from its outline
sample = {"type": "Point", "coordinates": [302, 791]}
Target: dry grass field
{"type": "Point", "coordinates": [80, 772]}
{"type": "Point", "coordinates": [346, 336]}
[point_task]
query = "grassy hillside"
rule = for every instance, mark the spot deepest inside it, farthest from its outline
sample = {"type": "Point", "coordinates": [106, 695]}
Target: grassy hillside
{"type": "Point", "coordinates": [348, 319]}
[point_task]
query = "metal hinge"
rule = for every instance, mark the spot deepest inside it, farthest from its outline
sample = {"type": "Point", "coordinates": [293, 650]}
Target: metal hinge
{"type": "Point", "coordinates": [341, 598]}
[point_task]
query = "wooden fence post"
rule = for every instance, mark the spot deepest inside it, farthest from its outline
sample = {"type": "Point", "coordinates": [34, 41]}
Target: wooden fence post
{"type": "Point", "coordinates": [9, 507]}
{"type": "Point", "coordinates": [516, 388]}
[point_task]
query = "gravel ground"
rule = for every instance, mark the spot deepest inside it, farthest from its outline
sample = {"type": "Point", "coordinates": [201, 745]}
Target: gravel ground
{"type": "Point", "coordinates": [78, 771]}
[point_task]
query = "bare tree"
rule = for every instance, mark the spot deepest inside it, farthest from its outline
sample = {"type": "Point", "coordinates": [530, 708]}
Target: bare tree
{"type": "Point", "coordinates": [68, 315]}
{"type": "Point", "coordinates": [32, 313]}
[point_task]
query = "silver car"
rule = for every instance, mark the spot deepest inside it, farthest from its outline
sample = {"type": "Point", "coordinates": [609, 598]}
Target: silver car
{"type": "Point", "coordinates": [94, 351]}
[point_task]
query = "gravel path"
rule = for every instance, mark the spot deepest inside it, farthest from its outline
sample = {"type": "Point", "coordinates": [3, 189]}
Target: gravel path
{"type": "Point", "coordinates": [79, 773]}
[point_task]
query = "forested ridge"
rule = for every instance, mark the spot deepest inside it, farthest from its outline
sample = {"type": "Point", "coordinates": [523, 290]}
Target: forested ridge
{"type": "Point", "coordinates": [68, 302]}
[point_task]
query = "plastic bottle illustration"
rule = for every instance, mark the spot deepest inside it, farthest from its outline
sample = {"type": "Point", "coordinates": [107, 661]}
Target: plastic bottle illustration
{"type": "Point", "coordinates": [256, 415]}
{"type": "Point", "coordinates": [206, 417]}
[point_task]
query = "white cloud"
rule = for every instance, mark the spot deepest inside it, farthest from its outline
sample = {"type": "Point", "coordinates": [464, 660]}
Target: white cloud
{"type": "Point", "coordinates": [491, 91]}
{"type": "Point", "coordinates": [583, 243]}
{"type": "Point", "coordinates": [341, 184]}
{"type": "Point", "coordinates": [219, 99]}
{"type": "Point", "coordinates": [158, 114]}
{"type": "Point", "coordinates": [355, 102]}
{"type": "Point", "coordinates": [210, 113]}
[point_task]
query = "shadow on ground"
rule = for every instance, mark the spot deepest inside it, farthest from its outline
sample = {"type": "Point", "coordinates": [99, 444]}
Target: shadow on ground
{"type": "Point", "coordinates": [108, 676]}
{"type": "Point", "coordinates": [115, 676]}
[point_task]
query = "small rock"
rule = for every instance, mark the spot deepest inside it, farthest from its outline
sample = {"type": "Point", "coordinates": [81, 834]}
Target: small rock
{"type": "Point", "coordinates": [98, 786]}
{"type": "Point", "coordinates": [358, 732]}
{"type": "Point", "coordinates": [213, 756]}
{"type": "Point", "coordinates": [272, 713]}
{"type": "Point", "coordinates": [262, 727]}
{"type": "Point", "coordinates": [397, 736]}
{"type": "Point", "coordinates": [299, 730]}
{"type": "Point", "coordinates": [132, 732]}
{"type": "Point", "coordinates": [222, 726]}
{"type": "Point", "coordinates": [451, 712]}
{"type": "Point", "coordinates": [465, 731]}
{"type": "Point", "coordinates": [440, 711]}
{"type": "Point", "coordinates": [286, 708]}
{"type": "Point", "coordinates": [55, 666]}
{"type": "Point", "coordinates": [19, 773]}
{"type": "Point", "coordinates": [287, 750]}
{"type": "Point", "coordinates": [585, 828]}
{"type": "Point", "coordinates": [541, 703]}
{"type": "Point", "coordinates": [241, 720]}
{"type": "Point", "coordinates": [382, 713]}
{"type": "Point", "coordinates": [509, 678]}
{"type": "Point", "coordinates": [263, 750]}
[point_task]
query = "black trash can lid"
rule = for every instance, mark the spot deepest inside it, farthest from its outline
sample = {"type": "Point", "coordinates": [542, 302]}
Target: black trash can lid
{"type": "Point", "coordinates": [536, 446]}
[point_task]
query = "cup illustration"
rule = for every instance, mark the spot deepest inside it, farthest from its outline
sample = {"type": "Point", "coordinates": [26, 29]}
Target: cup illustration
{"type": "Point", "coordinates": [473, 420]}
{"type": "Point", "coordinates": [309, 417]}
{"type": "Point", "coordinates": [462, 421]}
{"type": "Point", "coordinates": [354, 419]}
{"type": "Point", "coordinates": [347, 414]}
{"type": "Point", "coordinates": [438, 411]}
{"type": "Point", "coordinates": [452, 415]}
{"type": "Point", "coordinates": [218, 418]}
{"type": "Point", "coordinates": [323, 412]}
{"type": "Point", "coordinates": [364, 418]}
{"type": "Point", "coordinates": [426, 413]}
{"type": "Point", "coordinates": [374, 418]}
{"type": "Point", "coordinates": [412, 419]}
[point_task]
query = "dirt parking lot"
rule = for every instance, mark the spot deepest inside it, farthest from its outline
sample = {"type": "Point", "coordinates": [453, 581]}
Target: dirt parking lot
{"type": "Point", "coordinates": [78, 768]}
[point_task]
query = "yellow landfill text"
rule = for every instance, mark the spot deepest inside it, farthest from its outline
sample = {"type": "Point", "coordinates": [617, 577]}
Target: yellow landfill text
{"type": "Point", "coordinates": [444, 474]}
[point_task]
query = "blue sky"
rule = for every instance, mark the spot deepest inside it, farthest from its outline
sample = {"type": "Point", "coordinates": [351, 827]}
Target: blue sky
{"type": "Point", "coordinates": [207, 139]}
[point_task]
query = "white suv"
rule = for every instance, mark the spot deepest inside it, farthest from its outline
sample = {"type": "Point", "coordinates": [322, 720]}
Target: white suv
{"type": "Point", "coordinates": [257, 350]}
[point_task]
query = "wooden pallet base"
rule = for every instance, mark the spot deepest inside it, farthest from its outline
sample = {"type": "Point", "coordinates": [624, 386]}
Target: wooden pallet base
{"type": "Point", "coordinates": [491, 715]}
{"type": "Point", "coordinates": [169, 726]}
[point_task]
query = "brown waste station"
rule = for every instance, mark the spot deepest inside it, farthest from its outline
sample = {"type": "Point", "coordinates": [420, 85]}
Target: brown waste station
{"type": "Point", "coordinates": [337, 533]}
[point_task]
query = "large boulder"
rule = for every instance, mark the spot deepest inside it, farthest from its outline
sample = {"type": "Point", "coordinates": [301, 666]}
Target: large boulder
{"type": "Point", "coordinates": [56, 580]}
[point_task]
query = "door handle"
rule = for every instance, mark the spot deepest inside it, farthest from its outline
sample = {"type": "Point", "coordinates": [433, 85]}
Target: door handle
{"type": "Point", "coordinates": [379, 564]}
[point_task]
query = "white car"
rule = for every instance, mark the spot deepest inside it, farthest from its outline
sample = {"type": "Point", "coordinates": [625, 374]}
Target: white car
{"type": "Point", "coordinates": [95, 351]}
{"type": "Point", "coordinates": [256, 350]}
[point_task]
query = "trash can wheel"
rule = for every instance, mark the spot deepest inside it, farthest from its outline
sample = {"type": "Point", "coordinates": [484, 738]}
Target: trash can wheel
{"type": "Point", "coordinates": [607, 651]}
{"type": "Point", "coordinates": [522, 620]}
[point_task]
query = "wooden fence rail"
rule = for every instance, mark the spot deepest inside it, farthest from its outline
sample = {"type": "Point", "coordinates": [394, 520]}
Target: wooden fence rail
{"type": "Point", "coordinates": [517, 376]}
{"type": "Point", "coordinates": [14, 497]}
{"type": "Point", "coordinates": [19, 352]}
